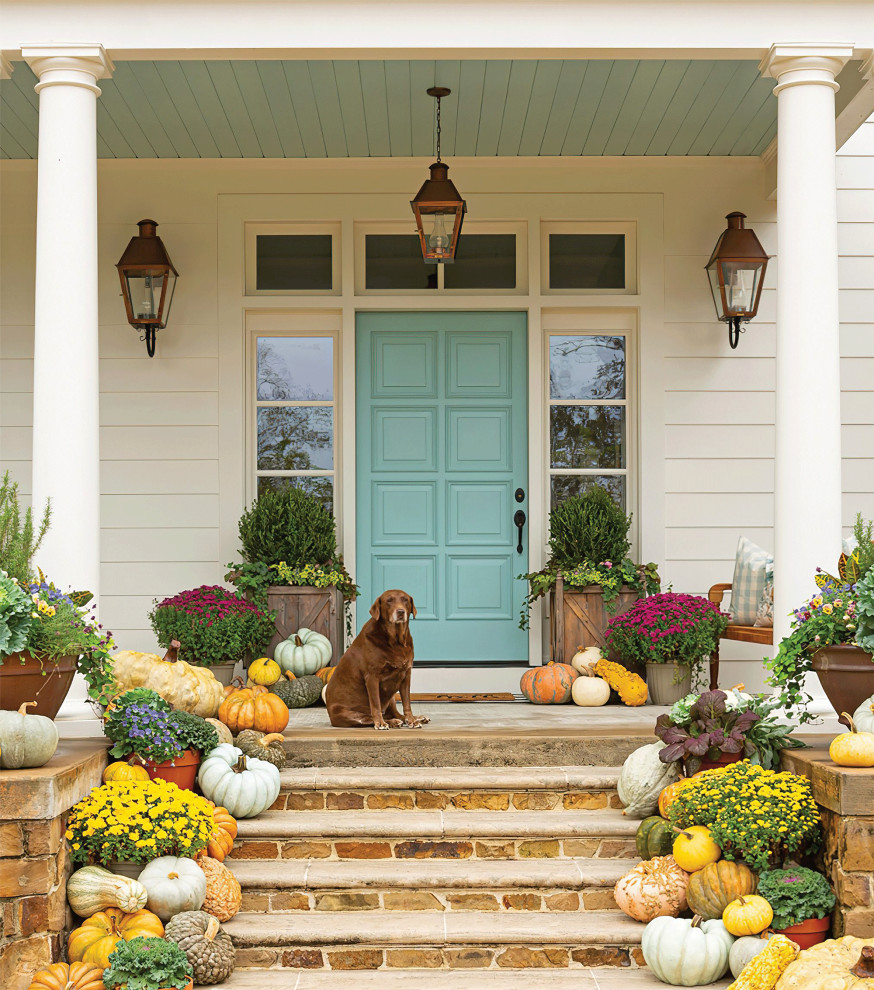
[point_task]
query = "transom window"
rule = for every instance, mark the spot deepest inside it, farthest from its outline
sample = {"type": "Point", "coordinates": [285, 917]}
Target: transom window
{"type": "Point", "coordinates": [588, 413]}
{"type": "Point", "coordinates": [295, 416]}
{"type": "Point", "coordinates": [588, 257]}
{"type": "Point", "coordinates": [292, 259]}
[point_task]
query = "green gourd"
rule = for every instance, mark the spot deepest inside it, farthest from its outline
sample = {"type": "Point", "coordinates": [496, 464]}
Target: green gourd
{"type": "Point", "coordinates": [304, 652]}
{"type": "Point", "coordinates": [26, 740]}
{"type": "Point", "coordinates": [642, 778]}
{"type": "Point", "coordinates": [263, 746]}
{"type": "Point", "coordinates": [92, 889]}
{"type": "Point", "coordinates": [299, 693]}
{"type": "Point", "coordinates": [655, 837]}
{"type": "Point", "coordinates": [206, 944]}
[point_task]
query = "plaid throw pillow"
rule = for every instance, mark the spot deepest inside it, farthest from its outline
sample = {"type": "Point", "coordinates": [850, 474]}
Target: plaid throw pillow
{"type": "Point", "coordinates": [753, 568]}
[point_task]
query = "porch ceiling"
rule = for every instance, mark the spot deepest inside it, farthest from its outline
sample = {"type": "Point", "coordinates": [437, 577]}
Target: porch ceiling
{"type": "Point", "coordinates": [362, 109]}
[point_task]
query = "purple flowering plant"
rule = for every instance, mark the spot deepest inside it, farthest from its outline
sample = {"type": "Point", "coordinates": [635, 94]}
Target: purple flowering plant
{"type": "Point", "coordinates": [139, 723]}
{"type": "Point", "coordinates": [213, 625]}
{"type": "Point", "coordinates": [666, 628]}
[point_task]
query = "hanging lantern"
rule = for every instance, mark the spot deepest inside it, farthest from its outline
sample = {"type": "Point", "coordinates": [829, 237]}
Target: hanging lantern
{"type": "Point", "coordinates": [438, 208]}
{"type": "Point", "coordinates": [148, 279]}
{"type": "Point", "coordinates": [737, 273]}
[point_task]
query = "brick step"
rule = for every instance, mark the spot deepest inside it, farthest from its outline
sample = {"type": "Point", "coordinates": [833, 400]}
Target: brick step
{"type": "Point", "coordinates": [461, 788]}
{"type": "Point", "coordinates": [576, 977]}
{"type": "Point", "coordinates": [429, 885]}
{"type": "Point", "coordinates": [431, 940]}
{"type": "Point", "coordinates": [436, 834]}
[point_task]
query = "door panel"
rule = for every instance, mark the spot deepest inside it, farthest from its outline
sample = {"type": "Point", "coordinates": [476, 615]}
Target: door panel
{"type": "Point", "coordinates": [441, 448]}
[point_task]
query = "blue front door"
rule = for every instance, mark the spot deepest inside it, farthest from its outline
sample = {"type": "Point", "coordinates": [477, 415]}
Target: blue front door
{"type": "Point", "coordinates": [442, 448]}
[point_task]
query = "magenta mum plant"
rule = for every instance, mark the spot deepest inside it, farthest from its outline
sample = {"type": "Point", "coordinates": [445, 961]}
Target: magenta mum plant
{"type": "Point", "coordinates": [666, 628]}
{"type": "Point", "coordinates": [212, 625]}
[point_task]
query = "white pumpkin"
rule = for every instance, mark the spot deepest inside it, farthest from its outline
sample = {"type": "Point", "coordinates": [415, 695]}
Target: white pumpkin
{"type": "Point", "coordinates": [863, 717]}
{"type": "Point", "coordinates": [304, 652]}
{"type": "Point", "coordinates": [26, 740]}
{"type": "Point", "coordinates": [244, 785]}
{"type": "Point", "coordinates": [745, 949]}
{"type": "Point", "coordinates": [642, 778]}
{"type": "Point", "coordinates": [174, 884]}
{"type": "Point", "coordinates": [590, 691]}
{"type": "Point", "coordinates": [686, 953]}
{"type": "Point", "coordinates": [586, 656]}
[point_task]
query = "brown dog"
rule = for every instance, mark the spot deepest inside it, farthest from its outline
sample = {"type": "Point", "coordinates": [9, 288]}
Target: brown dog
{"type": "Point", "coordinates": [377, 665]}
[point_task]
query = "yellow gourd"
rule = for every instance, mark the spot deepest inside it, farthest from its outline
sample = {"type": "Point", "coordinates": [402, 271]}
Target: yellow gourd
{"type": "Point", "coordinates": [264, 671]}
{"type": "Point", "coordinates": [694, 849]}
{"type": "Point", "coordinates": [764, 970]}
{"type": "Point", "coordinates": [748, 915]}
{"type": "Point", "coordinates": [853, 748]}
{"type": "Point", "coordinates": [188, 688]}
{"type": "Point", "coordinates": [631, 688]}
{"type": "Point", "coordinates": [837, 964]}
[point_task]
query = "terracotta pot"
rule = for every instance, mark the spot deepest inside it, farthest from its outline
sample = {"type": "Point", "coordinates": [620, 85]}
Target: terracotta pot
{"type": "Point", "coordinates": [123, 986]}
{"type": "Point", "coordinates": [807, 933]}
{"type": "Point", "coordinates": [20, 682]}
{"type": "Point", "coordinates": [182, 771]}
{"type": "Point", "coordinates": [660, 678]}
{"type": "Point", "coordinates": [846, 674]}
{"type": "Point", "coordinates": [723, 761]}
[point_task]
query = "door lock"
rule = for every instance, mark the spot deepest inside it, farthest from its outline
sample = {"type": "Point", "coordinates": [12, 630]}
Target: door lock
{"type": "Point", "coordinates": [520, 495]}
{"type": "Point", "coordinates": [519, 522]}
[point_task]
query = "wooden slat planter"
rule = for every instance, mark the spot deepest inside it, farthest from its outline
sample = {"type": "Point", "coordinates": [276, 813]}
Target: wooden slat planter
{"type": "Point", "coordinates": [320, 609]}
{"type": "Point", "coordinates": [579, 618]}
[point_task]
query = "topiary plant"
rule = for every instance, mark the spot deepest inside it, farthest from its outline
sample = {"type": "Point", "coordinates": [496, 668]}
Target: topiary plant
{"type": "Point", "coordinates": [288, 525]}
{"type": "Point", "coordinates": [588, 529]}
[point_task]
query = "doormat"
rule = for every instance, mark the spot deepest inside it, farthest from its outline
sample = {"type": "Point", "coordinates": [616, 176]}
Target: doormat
{"type": "Point", "coordinates": [451, 696]}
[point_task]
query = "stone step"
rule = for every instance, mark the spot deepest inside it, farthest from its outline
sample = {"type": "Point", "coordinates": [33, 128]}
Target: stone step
{"type": "Point", "coordinates": [548, 788]}
{"type": "Point", "coordinates": [576, 977]}
{"type": "Point", "coordinates": [431, 940]}
{"type": "Point", "coordinates": [436, 834]}
{"type": "Point", "coordinates": [429, 885]}
{"type": "Point", "coordinates": [310, 741]}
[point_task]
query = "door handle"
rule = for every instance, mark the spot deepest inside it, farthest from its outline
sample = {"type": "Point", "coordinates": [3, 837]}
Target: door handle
{"type": "Point", "coordinates": [519, 522]}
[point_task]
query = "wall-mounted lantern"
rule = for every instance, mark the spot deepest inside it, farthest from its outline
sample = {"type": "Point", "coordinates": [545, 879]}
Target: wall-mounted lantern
{"type": "Point", "coordinates": [737, 273]}
{"type": "Point", "coordinates": [148, 279]}
{"type": "Point", "coordinates": [438, 208]}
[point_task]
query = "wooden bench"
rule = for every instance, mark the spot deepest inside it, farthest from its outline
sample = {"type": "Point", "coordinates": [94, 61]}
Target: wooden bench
{"type": "Point", "coordinates": [740, 634]}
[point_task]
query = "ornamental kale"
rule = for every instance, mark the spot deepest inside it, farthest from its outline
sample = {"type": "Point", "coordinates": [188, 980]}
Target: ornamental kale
{"type": "Point", "coordinates": [213, 625]}
{"type": "Point", "coordinates": [796, 895]}
{"type": "Point", "coordinates": [193, 732]}
{"type": "Point", "coordinates": [16, 615]}
{"type": "Point", "coordinates": [865, 612]}
{"type": "Point", "coordinates": [142, 726]}
{"type": "Point", "coordinates": [666, 628]}
{"type": "Point", "coordinates": [147, 964]}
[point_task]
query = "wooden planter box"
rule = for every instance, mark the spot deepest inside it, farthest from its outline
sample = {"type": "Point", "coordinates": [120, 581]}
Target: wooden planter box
{"type": "Point", "coordinates": [320, 609]}
{"type": "Point", "coordinates": [579, 618]}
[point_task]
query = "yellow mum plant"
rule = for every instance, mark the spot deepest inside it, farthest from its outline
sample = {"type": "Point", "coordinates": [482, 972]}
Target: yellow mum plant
{"type": "Point", "coordinates": [139, 821]}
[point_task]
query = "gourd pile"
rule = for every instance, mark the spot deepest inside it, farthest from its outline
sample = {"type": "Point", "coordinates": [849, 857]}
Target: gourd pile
{"type": "Point", "coordinates": [588, 680]}
{"type": "Point", "coordinates": [706, 911]}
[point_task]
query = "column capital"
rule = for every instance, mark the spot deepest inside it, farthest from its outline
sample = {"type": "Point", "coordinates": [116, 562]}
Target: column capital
{"type": "Point", "coordinates": [68, 64]}
{"type": "Point", "coordinates": [805, 63]}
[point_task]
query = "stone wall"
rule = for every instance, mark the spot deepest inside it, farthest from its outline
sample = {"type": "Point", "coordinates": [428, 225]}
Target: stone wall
{"type": "Point", "coordinates": [846, 799]}
{"type": "Point", "coordinates": [33, 857]}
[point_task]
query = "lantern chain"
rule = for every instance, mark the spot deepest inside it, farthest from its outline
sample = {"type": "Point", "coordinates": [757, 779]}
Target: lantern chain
{"type": "Point", "coordinates": [438, 128]}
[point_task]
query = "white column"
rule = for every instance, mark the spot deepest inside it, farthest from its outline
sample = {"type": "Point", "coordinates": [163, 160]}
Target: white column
{"type": "Point", "coordinates": [66, 455]}
{"type": "Point", "coordinates": [807, 488]}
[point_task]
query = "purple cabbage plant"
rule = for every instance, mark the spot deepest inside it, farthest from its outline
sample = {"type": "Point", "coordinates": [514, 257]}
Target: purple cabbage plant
{"type": "Point", "coordinates": [709, 731]}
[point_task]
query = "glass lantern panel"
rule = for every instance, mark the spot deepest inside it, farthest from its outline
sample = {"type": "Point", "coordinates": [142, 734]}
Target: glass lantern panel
{"type": "Point", "coordinates": [716, 291]}
{"type": "Point", "coordinates": [168, 300]}
{"type": "Point", "coordinates": [145, 295]}
{"type": "Point", "coordinates": [741, 280]}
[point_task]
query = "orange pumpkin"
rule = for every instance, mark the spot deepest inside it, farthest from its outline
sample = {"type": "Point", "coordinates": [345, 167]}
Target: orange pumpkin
{"type": "Point", "coordinates": [669, 795]}
{"type": "Point", "coordinates": [68, 976]}
{"type": "Point", "coordinates": [97, 937]}
{"type": "Point", "coordinates": [243, 709]}
{"type": "Point", "coordinates": [324, 674]}
{"type": "Point", "coordinates": [121, 771]}
{"type": "Point", "coordinates": [653, 888]}
{"type": "Point", "coordinates": [549, 685]}
{"type": "Point", "coordinates": [224, 831]}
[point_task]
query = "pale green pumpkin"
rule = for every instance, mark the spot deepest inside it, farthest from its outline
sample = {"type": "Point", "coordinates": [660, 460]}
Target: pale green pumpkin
{"type": "Point", "coordinates": [26, 740]}
{"type": "Point", "coordinates": [304, 652]}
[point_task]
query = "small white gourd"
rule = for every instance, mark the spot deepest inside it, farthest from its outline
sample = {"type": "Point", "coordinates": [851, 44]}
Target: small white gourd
{"type": "Point", "coordinates": [586, 656]}
{"type": "Point", "coordinates": [863, 717]}
{"type": "Point", "coordinates": [590, 691]}
{"type": "Point", "coordinates": [642, 778]}
{"type": "Point", "coordinates": [92, 889]}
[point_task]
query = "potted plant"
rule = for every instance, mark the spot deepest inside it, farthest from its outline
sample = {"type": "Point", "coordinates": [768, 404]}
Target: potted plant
{"type": "Point", "coordinates": [169, 744]}
{"type": "Point", "coordinates": [122, 824]}
{"type": "Point", "coordinates": [589, 575]}
{"type": "Point", "coordinates": [292, 568]}
{"type": "Point", "coordinates": [148, 964]}
{"type": "Point", "coordinates": [46, 635]}
{"type": "Point", "coordinates": [671, 636]}
{"type": "Point", "coordinates": [761, 817]}
{"type": "Point", "coordinates": [802, 901]}
{"type": "Point", "coordinates": [707, 730]}
{"type": "Point", "coordinates": [833, 634]}
{"type": "Point", "coordinates": [214, 627]}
